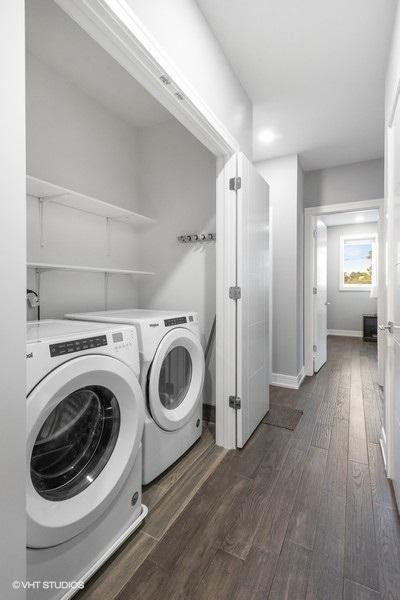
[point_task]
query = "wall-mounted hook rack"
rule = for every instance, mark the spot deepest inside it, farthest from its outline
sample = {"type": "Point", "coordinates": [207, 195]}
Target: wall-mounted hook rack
{"type": "Point", "coordinates": [188, 238]}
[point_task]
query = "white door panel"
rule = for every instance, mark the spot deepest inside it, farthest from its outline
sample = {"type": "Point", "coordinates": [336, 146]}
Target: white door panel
{"type": "Point", "coordinates": [395, 430]}
{"type": "Point", "coordinates": [253, 350]}
{"type": "Point", "coordinates": [392, 372]}
{"type": "Point", "coordinates": [395, 316]}
{"type": "Point", "coordinates": [320, 298]}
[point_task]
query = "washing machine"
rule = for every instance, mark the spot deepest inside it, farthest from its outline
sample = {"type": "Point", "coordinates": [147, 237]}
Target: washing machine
{"type": "Point", "coordinates": [85, 415]}
{"type": "Point", "coordinates": [171, 374]}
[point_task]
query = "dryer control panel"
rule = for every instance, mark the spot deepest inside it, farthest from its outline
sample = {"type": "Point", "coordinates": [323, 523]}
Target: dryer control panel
{"type": "Point", "coordinates": [175, 321]}
{"type": "Point", "coordinates": [70, 346]}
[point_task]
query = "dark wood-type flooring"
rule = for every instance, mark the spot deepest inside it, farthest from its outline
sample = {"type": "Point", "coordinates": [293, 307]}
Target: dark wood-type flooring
{"type": "Point", "coordinates": [304, 514]}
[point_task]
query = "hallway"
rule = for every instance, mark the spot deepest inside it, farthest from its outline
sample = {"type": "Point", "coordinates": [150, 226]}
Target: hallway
{"type": "Point", "coordinates": [303, 514]}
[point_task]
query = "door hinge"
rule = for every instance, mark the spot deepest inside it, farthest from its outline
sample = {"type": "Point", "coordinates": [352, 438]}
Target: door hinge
{"type": "Point", "coordinates": [235, 183]}
{"type": "Point", "coordinates": [235, 402]}
{"type": "Point", "coordinates": [314, 348]}
{"type": "Point", "coordinates": [315, 232]}
{"type": "Point", "coordinates": [315, 291]}
{"type": "Point", "coordinates": [235, 292]}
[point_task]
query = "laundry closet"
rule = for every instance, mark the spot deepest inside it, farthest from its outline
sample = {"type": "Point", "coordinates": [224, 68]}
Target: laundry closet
{"type": "Point", "coordinates": [113, 181]}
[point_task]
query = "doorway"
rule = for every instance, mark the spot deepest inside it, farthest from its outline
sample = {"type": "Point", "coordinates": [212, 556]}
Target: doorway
{"type": "Point", "coordinates": [344, 288]}
{"type": "Point", "coordinates": [341, 284]}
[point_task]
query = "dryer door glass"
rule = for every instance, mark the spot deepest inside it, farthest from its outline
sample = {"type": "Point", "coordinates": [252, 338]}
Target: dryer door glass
{"type": "Point", "coordinates": [175, 377]}
{"type": "Point", "coordinates": [75, 443]}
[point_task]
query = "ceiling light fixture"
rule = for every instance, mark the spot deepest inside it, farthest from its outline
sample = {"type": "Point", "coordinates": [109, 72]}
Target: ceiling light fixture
{"type": "Point", "coordinates": [267, 136]}
{"type": "Point", "coordinates": [359, 219]}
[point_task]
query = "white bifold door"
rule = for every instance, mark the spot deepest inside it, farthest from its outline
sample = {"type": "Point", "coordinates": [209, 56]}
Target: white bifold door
{"type": "Point", "coordinates": [320, 294]}
{"type": "Point", "coordinates": [250, 292]}
{"type": "Point", "coordinates": [391, 426]}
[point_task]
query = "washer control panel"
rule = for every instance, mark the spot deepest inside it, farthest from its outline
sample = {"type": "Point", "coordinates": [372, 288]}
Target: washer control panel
{"type": "Point", "coordinates": [70, 346]}
{"type": "Point", "coordinates": [175, 321]}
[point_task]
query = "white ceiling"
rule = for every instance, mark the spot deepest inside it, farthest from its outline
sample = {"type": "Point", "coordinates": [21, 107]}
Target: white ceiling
{"type": "Point", "coordinates": [314, 70]}
{"type": "Point", "coordinates": [54, 38]}
{"type": "Point", "coordinates": [351, 218]}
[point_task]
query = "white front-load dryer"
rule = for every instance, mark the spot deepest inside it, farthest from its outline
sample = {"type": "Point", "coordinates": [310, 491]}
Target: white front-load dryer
{"type": "Point", "coordinates": [85, 415]}
{"type": "Point", "coordinates": [172, 370]}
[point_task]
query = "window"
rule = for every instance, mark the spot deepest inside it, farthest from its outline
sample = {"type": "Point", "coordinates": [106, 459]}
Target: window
{"type": "Point", "coordinates": [357, 262]}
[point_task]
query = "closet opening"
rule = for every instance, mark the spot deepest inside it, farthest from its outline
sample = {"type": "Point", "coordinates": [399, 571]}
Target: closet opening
{"type": "Point", "coordinates": [121, 197]}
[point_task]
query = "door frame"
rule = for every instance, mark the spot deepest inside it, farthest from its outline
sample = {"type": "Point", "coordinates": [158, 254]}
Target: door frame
{"type": "Point", "coordinates": [309, 267]}
{"type": "Point", "coordinates": [114, 25]}
{"type": "Point", "coordinates": [317, 223]}
{"type": "Point", "coordinates": [386, 440]}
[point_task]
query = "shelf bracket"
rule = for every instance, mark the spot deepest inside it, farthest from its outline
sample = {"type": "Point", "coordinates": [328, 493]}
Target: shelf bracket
{"type": "Point", "coordinates": [41, 220]}
{"type": "Point", "coordinates": [38, 273]}
{"type": "Point", "coordinates": [106, 289]}
{"type": "Point", "coordinates": [108, 235]}
{"type": "Point", "coordinates": [42, 201]}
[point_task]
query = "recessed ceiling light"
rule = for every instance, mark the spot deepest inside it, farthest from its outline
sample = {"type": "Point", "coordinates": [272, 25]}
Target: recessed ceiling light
{"type": "Point", "coordinates": [359, 219]}
{"type": "Point", "coordinates": [267, 136]}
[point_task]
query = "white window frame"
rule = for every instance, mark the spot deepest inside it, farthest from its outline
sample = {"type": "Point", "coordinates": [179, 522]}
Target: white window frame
{"type": "Point", "coordinates": [354, 287]}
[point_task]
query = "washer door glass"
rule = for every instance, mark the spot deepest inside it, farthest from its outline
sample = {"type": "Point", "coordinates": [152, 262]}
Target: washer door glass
{"type": "Point", "coordinates": [175, 377]}
{"type": "Point", "coordinates": [75, 443]}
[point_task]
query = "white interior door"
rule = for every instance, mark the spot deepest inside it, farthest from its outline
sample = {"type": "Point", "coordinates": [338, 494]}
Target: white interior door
{"type": "Point", "coordinates": [320, 294]}
{"type": "Point", "coordinates": [253, 277]}
{"type": "Point", "coordinates": [392, 328]}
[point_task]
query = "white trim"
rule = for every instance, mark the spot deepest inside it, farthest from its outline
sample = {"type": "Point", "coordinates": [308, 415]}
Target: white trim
{"type": "Point", "coordinates": [309, 215]}
{"type": "Point", "coordinates": [109, 552]}
{"type": "Point", "coordinates": [301, 376]}
{"type": "Point", "coordinates": [288, 381]}
{"type": "Point", "coordinates": [115, 27]}
{"type": "Point", "coordinates": [394, 105]}
{"type": "Point", "coordinates": [346, 332]}
{"type": "Point", "coordinates": [343, 207]}
{"type": "Point", "coordinates": [383, 445]}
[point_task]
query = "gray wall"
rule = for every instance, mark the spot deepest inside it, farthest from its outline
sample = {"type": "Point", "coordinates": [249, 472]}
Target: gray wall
{"type": "Point", "coordinates": [347, 183]}
{"type": "Point", "coordinates": [346, 308]}
{"type": "Point", "coordinates": [12, 300]}
{"type": "Point", "coordinates": [162, 171]}
{"type": "Point", "coordinates": [75, 142]}
{"type": "Point", "coordinates": [177, 188]}
{"type": "Point", "coordinates": [284, 178]}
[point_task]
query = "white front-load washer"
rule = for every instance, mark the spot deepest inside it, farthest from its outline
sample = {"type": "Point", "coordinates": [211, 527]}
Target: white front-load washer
{"type": "Point", "coordinates": [172, 370]}
{"type": "Point", "coordinates": [85, 414]}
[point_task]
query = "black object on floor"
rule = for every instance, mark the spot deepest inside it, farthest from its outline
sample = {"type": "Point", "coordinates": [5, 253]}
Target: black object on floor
{"type": "Point", "coordinates": [370, 328]}
{"type": "Point", "coordinates": [208, 413]}
{"type": "Point", "coordinates": [283, 416]}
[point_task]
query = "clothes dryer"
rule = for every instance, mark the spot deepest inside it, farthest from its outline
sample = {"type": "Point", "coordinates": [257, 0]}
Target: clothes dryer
{"type": "Point", "coordinates": [172, 370]}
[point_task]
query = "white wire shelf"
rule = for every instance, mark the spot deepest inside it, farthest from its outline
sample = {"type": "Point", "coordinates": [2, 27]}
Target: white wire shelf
{"type": "Point", "coordinates": [50, 192]}
{"type": "Point", "coordinates": [59, 267]}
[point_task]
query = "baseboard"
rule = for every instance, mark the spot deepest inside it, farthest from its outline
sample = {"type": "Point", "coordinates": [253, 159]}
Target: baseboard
{"type": "Point", "coordinates": [301, 376]}
{"type": "Point", "coordinates": [288, 381]}
{"type": "Point", "coordinates": [345, 332]}
{"type": "Point", "coordinates": [382, 443]}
